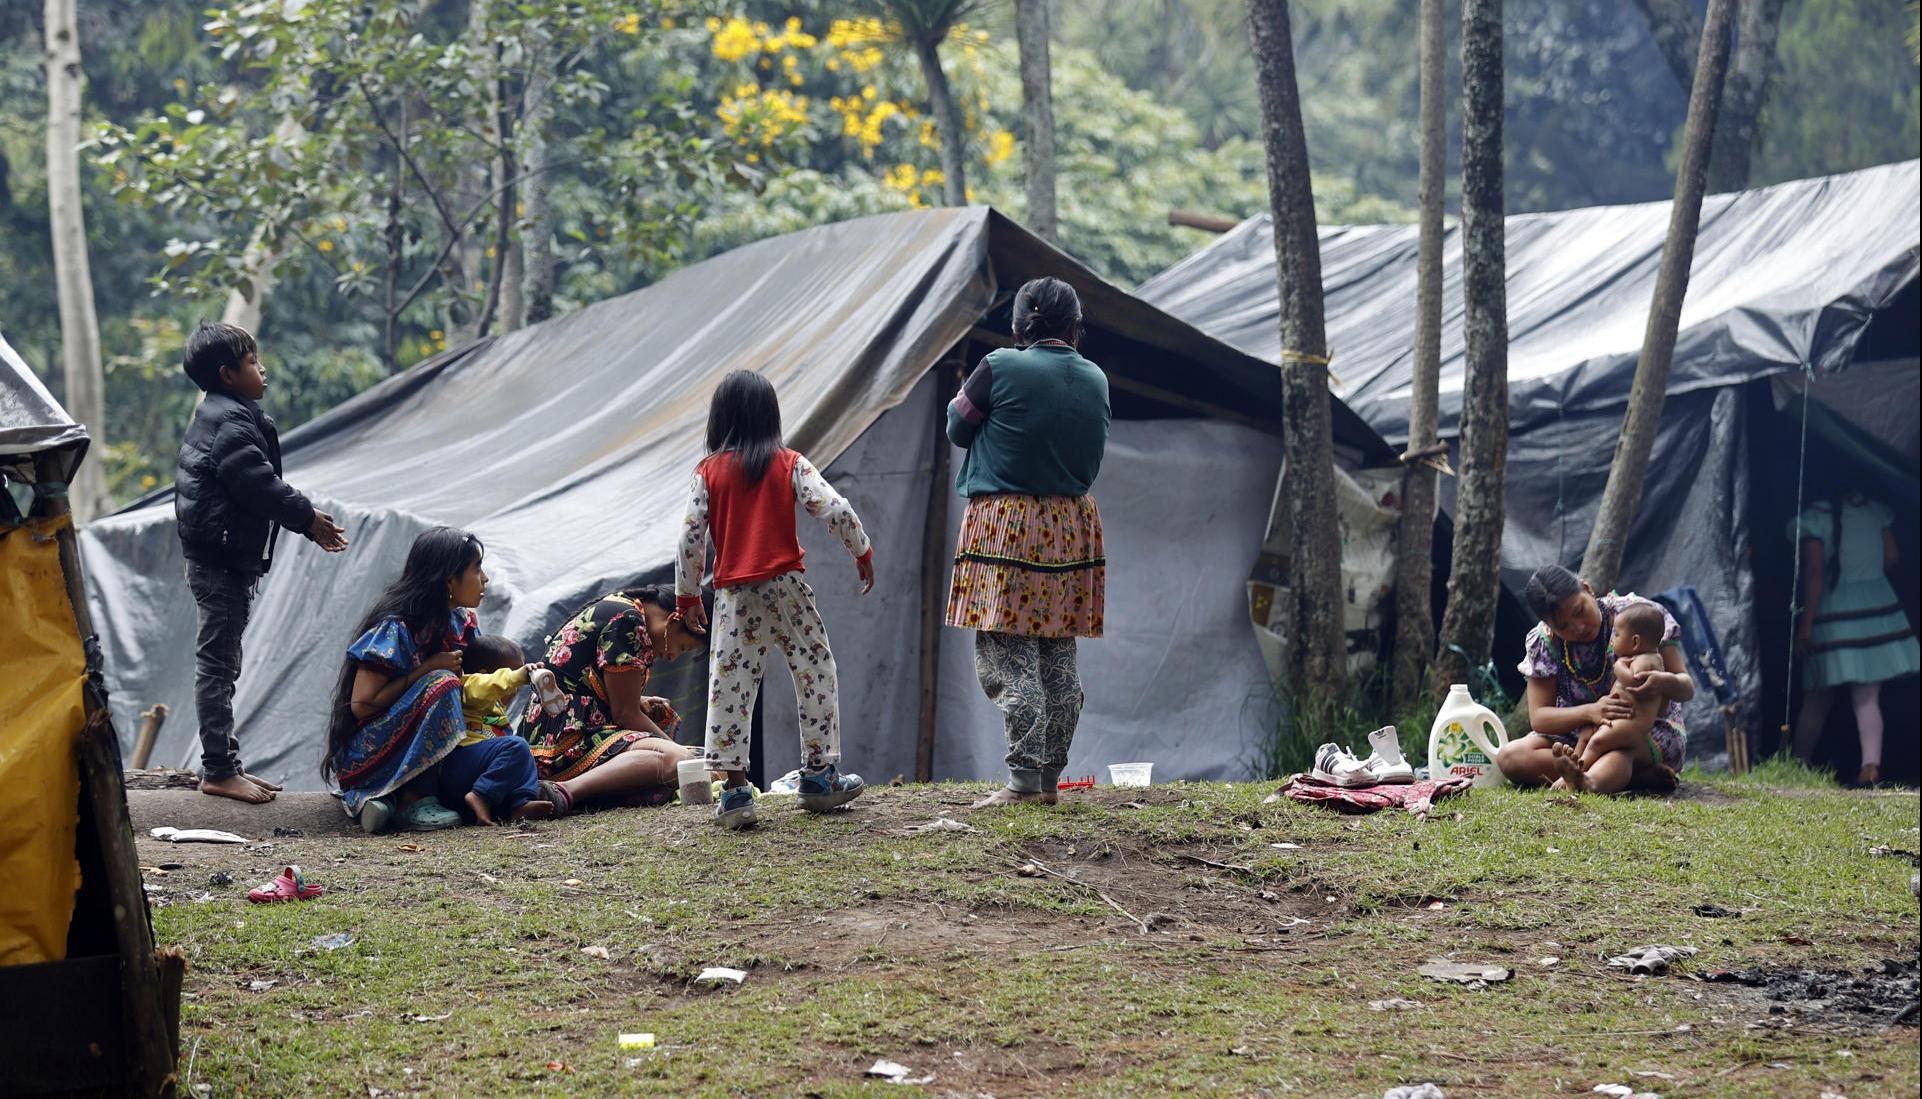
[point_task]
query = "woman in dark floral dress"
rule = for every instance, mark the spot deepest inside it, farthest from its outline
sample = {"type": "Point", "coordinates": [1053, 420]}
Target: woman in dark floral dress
{"type": "Point", "coordinates": [612, 743]}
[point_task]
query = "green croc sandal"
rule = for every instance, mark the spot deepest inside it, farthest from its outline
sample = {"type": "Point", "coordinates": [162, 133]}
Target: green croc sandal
{"type": "Point", "coordinates": [375, 814]}
{"type": "Point", "coordinates": [427, 815]}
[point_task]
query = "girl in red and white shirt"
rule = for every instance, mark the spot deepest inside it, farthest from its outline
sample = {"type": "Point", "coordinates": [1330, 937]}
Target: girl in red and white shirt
{"type": "Point", "coordinates": [744, 491]}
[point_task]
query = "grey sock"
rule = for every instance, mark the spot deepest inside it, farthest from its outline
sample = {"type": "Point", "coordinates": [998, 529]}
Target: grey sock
{"type": "Point", "coordinates": [1025, 782]}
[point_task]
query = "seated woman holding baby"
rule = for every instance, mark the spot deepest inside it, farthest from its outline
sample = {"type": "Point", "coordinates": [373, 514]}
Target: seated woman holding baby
{"type": "Point", "coordinates": [1606, 682]}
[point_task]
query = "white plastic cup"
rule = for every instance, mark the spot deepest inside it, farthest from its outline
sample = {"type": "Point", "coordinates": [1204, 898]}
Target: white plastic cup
{"type": "Point", "coordinates": [696, 783]}
{"type": "Point", "coordinates": [1130, 774]}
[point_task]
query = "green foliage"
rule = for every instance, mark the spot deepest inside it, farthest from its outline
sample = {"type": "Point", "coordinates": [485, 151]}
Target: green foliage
{"type": "Point", "coordinates": [1815, 124]}
{"type": "Point", "coordinates": [398, 103]}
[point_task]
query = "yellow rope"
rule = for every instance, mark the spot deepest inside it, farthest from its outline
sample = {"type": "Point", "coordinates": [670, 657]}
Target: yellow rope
{"type": "Point", "coordinates": [1291, 356]}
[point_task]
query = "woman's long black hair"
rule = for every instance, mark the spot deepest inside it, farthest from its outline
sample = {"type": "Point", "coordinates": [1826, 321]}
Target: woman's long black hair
{"type": "Point", "coordinates": [745, 418]}
{"type": "Point", "coordinates": [1548, 588]}
{"type": "Point", "coordinates": [1047, 309]}
{"type": "Point", "coordinates": [419, 599]}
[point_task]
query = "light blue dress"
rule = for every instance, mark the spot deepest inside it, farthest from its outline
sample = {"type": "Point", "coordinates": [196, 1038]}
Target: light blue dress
{"type": "Point", "coordinates": [1861, 633]}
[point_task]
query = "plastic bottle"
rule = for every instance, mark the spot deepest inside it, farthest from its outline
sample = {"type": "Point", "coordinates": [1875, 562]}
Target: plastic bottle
{"type": "Point", "coordinates": [1465, 738]}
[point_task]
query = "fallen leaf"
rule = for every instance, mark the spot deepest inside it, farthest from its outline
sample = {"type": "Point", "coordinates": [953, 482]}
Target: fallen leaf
{"type": "Point", "coordinates": [410, 847]}
{"type": "Point", "coordinates": [573, 882]}
{"type": "Point", "coordinates": [558, 1066]}
{"type": "Point", "coordinates": [595, 952]}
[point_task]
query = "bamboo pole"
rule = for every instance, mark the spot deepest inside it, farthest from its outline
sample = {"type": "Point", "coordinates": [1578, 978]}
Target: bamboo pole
{"type": "Point", "coordinates": [934, 546]}
{"type": "Point", "coordinates": [150, 723]}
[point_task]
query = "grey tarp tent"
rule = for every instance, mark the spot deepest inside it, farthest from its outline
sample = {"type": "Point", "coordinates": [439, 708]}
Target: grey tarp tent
{"type": "Point", "coordinates": [1817, 273]}
{"type": "Point", "coordinates": [568, 448]}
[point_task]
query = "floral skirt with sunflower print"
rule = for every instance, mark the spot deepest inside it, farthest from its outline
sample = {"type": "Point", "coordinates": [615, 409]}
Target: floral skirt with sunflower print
{"type": "Point", "coordinates": [1031, 566]}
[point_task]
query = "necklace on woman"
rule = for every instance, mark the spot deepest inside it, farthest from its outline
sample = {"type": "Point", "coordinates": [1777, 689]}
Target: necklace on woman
{"type": "Point", "coordinates": [1601, 673]}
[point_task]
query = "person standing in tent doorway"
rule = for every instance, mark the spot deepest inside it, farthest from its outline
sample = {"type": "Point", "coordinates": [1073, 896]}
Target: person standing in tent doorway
{"type": "Point", "coordinates": [229, 506]}
{"type": "Point", "coordinates": [745, 491]}
{"type": "Point", "coordinates": [1851, 630]}
{"type": "Point", "coordinates": [1029, 569]}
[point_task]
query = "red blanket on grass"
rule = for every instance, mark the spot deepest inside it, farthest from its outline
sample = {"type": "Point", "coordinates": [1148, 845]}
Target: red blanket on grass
{"type": "Point", "coordinates": [1416, 797]}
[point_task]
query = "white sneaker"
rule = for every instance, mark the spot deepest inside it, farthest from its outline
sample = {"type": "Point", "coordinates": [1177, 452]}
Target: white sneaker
{"type": "Point", "coordinates": [1386, 762]}
{"type": "Point", "coordinates": [1335, 766]}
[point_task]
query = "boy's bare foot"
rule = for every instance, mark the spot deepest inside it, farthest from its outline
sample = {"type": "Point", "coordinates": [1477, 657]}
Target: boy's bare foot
{"type": "Point", "coordinates": [1005, 796]}
{"type": "Point", "coordinates": [261, 782]}
{"type": "Point", "coordinates": [1569, 767]}
{"type": "Point", "coordinates": [538, 809]}
{"type": "Point", "coordinates": [1869, 775]}
{"type": "Point", "coordinates": [479, 806]}
{"type": "Point", "coordinates": [236, 787]}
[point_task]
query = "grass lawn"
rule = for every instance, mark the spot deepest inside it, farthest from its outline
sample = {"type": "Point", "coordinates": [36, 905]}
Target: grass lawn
{"type": "Point", "coordinates": [505, 962]}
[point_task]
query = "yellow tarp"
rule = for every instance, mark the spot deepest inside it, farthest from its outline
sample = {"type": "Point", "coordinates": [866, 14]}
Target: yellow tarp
{"type": "Point", "coordinates": [42, 669]}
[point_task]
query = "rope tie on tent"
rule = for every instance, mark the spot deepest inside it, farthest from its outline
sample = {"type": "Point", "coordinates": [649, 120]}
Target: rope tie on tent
{"type": "Point", "coordinates": [1795, 577]}
{"type": "Point", "coordinates": [1291, 357]}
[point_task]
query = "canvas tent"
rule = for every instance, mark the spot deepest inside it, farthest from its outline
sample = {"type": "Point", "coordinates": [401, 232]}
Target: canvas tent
{"type": "Point", "coordinates": [82, 1005]}
{"type": "Point", "coordinates": [1812, 282]}
{"type": "Point", "coordinates": [568, 448]}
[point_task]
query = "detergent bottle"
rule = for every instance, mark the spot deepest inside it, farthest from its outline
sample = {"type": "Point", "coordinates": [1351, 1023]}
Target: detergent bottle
{"type": "Point", "coordinates": [1465, 737]}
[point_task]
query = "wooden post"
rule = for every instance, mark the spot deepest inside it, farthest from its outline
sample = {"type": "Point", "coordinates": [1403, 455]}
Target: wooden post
{"type": "Point", "coordinates": [150, 723]}
{"type": "Point", "coordinates": [144, 1016]}
{"type": "Point", "coordinates": [934, 552]}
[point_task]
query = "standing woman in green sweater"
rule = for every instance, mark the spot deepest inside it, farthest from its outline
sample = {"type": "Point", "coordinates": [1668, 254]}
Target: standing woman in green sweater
{"type": "Point", "coordinates": [1029, 571]}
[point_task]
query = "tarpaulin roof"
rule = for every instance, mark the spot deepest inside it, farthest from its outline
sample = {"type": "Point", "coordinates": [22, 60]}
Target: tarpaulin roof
{"type": "Point", "coordinates": [1783, 276]}
{"type": "Point", "coordinates": [1810, 272]}
{"type": "Point", "coordinates": [31, 421]}
{"type": "Point", "coordinates": [568, 446]}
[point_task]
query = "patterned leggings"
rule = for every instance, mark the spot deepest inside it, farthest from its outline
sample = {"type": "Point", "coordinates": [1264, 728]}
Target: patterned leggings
{"type": "Point", "coordinates": [750, 620]}
{"type": "Point", "coordinates": [1033, 681]}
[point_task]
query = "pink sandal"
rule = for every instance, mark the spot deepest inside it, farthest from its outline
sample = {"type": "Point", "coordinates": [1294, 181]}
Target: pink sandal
{"type": "Point", "coordinates": [288, 885]}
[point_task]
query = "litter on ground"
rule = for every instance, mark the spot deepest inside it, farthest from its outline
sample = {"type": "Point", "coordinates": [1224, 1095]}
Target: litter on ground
{"type": "Point", "coordinates": [1651, 960]}
{"type": "Point", "coordinates": [1476, 974]}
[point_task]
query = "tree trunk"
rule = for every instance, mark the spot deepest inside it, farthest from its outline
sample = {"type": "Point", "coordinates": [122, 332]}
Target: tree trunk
{"type": "Point", "coordinates": [504, 216]}
{"type": "Point", "coordinates": [1602, 564]}
{"type": "Point", "coordinates": [257, 279]}
{"type": "Point", "coordinates": [513, 306]}
{"type": "Point", "coordinates": [390, 291]}
{"type": "Point", "coordinates": [86, 380]}
{"type": "Point", "coordinates": [947, 116]}
{"type": "Point", "coordinates": [467, 267]}
{"type": "Point", "coordinates": [1474, 580]}
{"type": "Point", "coordinates": [1318, 656]}
{"type": "Point", "coordinates": [1739, 124]}
{"type": "Point", "coordinates": [1415, 543]}
{"type": "Point", "coordinates": [1037, 97]}
{"type": "Point", "coordinates": [1678, 32]}
{"type": "Point", "coordinates": [537, 239]}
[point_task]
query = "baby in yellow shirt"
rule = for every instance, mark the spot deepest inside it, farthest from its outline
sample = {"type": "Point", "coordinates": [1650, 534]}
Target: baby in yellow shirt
{"type": "Point", "coordinates": [490, 774]}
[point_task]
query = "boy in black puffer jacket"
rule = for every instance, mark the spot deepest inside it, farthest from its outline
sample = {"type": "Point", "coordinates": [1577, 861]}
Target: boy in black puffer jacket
{"type": "Point", "coordinates": [229, 502]}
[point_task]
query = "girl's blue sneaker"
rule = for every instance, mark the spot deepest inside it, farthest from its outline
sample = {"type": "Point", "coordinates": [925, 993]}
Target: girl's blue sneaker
{"type": "Point", "coordinates": [828, 789]}
{"type": "Point", "coordinates": [736, 809]}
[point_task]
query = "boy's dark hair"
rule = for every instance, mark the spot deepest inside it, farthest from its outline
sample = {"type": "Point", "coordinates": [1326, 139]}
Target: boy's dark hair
{"type": "Point", "coordinates": [745, 417]}
{"type": "Point", "coordinates": [1547, 588]}
{"type": "Point", "coordinates": [1046, 309]}
{"type": "Point", "coordinates": [490, 652]}
{"type": "Point", "coordinates": [214, 346]}
{"type": "Point", "coordinates": [1643, 620]}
